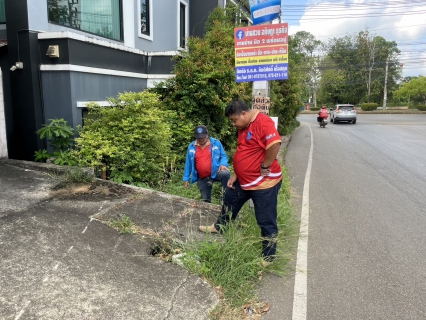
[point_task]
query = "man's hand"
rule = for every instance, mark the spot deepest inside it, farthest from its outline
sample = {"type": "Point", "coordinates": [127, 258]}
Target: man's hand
{"type": "Point", "coordinates": [231, 181]}
{"type": "Point", "coordinates": [221, 168]}
{"type": "Point", "coordinates": [265, 172]}
{"type": "Point", "coordinates": [186, 184]}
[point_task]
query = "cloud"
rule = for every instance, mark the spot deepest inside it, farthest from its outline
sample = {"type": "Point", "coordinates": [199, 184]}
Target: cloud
{"type": "Point", "coordinates": [398, 21]}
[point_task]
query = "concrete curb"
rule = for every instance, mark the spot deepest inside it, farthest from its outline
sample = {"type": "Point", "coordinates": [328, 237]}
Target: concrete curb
{"type": "Point", "coordinates": [44, 167]}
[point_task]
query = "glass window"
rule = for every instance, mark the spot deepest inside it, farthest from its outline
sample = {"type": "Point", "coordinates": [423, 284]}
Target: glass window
{"type": "Point", "coordinates": [2, 12]}
{"type": "Point", "coordinates": [101, 17]}
{"type": "Point", "coordinates": [145, 19]}
{"type": "Point", "coordinates": [182, 24]}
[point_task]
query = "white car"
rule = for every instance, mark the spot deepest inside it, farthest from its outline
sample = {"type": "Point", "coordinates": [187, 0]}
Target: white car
{"type": "Point", "coordinates": [343, 112]}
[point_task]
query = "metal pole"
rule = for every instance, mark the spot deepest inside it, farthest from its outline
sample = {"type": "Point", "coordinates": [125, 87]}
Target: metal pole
{"type": "Point", "coordinates": [385, 94]}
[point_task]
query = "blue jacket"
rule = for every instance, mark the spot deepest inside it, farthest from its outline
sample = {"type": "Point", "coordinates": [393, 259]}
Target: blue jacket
{"type": "Point", "coordinates": [219, 158]}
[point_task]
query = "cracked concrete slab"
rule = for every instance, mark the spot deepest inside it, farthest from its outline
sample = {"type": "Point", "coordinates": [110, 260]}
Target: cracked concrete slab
{"type": "Point", "coordinates": [60, 260]}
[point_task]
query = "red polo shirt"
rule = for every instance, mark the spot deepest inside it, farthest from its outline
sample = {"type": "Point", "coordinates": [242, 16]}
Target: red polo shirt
{"type": "Point", "coordinates": [203, 160]}
{"type": "Point", "coordinates": [253, 142]}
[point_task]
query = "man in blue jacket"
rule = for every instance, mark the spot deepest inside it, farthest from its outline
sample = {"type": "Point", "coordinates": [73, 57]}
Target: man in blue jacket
{"type": "Point", "coordinates": [206, 162]}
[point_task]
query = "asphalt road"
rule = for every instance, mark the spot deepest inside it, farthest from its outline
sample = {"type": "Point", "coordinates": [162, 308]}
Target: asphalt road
{"type": "Point", "coordinates": [367, 216]}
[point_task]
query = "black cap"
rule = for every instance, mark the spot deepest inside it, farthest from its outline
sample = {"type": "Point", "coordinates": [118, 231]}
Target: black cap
{"type": "Point", "coordinates": [200, 132]}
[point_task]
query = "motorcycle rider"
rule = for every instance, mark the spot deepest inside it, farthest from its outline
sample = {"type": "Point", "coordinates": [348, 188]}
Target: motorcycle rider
{"type": "Point", "coordinates": [323, 113]}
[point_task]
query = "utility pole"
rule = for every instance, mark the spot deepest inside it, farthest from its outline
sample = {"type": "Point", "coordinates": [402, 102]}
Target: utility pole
{"type": "Point", "coordinates": [385, 94]}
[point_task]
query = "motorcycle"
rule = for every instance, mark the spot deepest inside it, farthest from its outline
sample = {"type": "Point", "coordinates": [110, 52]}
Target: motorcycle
{"type": "Point", "coordinates": [323, 122]}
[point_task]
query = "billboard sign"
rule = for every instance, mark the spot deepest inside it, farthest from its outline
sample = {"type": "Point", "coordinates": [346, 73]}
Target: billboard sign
{"type": "Point", "coordinates": [261, 52]}
{"type": "Point", "coordinates": [264, 10]}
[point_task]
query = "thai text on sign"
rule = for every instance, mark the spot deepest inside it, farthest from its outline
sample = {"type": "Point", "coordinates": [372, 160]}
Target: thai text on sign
{"type": "Point", "coordinates": [261, 52]}
{"type": "Point", "coordinates": [261, 103]}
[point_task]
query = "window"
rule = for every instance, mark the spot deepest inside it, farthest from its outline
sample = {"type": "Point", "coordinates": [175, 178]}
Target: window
{"type": "Point", "coordinates": [2, 12]}
{"type": "Point", "coordinates": [145, 20]}
{"type": "Point", "coordinates": [101, 17]}
{"type": "Point", "coordinates": [183, 23]}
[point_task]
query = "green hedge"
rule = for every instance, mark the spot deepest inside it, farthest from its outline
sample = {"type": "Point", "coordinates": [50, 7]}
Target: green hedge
{"type": "Point", "coordinates": [133, 138]}
{"type": "Point", "coordinates": [314, 108]}
{"type": "Point", "coordinates": [369, 106]}
{"type": "Point", "coordinates": [421, 107]}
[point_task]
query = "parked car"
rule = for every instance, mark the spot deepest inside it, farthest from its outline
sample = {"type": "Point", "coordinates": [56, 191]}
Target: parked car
{"type": "Point", "coordinates": [343, 112]}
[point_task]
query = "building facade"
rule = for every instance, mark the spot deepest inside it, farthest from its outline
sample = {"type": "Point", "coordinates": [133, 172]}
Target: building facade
{"type": "Point", "coordinates": [57, 55]}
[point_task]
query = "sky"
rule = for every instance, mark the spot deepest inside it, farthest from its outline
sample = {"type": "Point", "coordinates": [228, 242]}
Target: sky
{"type": "Point", "coordinates": [402, 21]}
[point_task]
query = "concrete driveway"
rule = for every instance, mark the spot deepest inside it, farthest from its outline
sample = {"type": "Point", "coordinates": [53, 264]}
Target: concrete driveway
{"type": "Point", "coordinates": [59, 260]}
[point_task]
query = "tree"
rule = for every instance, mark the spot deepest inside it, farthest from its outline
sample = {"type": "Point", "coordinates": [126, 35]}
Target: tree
{"type": "Point", "coordinates": [332, 83]}
{"type": "Point", "coordinates": [286, 95]}
{"type": "Point", "coordinates": [362, 61]}
{"type": "Point", "coordinates": [205, 79]}
{"type": "Point", "coordinates": [305, 45]}
{"type": "Point", "coordinates": [414, 89]}
{"type": "Point", "coordinates": [367, 50]}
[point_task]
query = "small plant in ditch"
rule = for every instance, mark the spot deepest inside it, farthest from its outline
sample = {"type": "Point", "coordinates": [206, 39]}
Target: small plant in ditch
{"type": "Point", "coordinates": [122, 224]}
{"type": "Point", "coordinates": [164, 247]}
{"type": "Point", "coordinates": [78, 175]}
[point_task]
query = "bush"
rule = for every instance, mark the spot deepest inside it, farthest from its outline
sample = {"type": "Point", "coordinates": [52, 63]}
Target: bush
{"type": "Point", "coordinates": [421, 107]}
{"type": "Point", "coordinates": [205, 79]}
{"type": "Point", "coordinates": [314, 108]}
{"type": "Point", "coordinates": [60, 137]}
{"type": "Point", "coordinates": [369, 106]}
{"type": "Point", "coordinates": [132, 137]}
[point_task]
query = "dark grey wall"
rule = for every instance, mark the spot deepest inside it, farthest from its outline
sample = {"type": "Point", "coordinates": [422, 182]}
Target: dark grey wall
{"type": "Point", "coordinates": [62, 90]}
{"type": "Point", "coordinates": [199, 11]}
{"type": "Point", "coordinates": [27, 107]}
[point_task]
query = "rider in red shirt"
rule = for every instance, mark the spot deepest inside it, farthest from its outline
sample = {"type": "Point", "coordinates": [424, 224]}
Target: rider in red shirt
{"type": "Point", "coordinates": [323, 113]}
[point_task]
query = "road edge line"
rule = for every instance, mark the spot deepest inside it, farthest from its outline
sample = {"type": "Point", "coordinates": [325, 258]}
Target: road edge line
{"type": "Point", "coordinates": [300, 298]}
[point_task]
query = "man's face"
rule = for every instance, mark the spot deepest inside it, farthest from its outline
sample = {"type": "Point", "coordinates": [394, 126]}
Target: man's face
{"type": "Point", "coordinates": [202, 141]}
{"type": "Point", "coordinates": [239, 121]}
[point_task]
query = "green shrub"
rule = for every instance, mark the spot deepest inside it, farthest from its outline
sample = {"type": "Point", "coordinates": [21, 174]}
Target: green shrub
{"type": "Point", "coordinates": [369, 106]}
{"type": "Point", "coordinates": [421, 107]}
{"type": "Point", "coordinates": [205, 79]}
{"type": "Point", "coordinates": [132, 137]}
{"type": "Point", "coordinates": [60, 137]}
{"type": "Point", "coordinates": [314, 108]}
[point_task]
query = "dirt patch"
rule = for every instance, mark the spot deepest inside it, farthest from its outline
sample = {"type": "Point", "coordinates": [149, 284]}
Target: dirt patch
{"type": "Point", "coordinates": [94, 191]}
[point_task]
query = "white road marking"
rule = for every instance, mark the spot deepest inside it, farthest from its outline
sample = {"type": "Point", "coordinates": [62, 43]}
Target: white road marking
{"type": "Point", "coordinates": [22, 310]}
{"type": "Point", "coordinates": [300, 298]}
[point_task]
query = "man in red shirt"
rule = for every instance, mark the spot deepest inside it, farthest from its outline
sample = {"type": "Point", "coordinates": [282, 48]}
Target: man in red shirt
{"type": "Point", "coordinates": [206, 162]}
{"type": "Point", "coordinates": [323, 113]}
{"type": "Point", "coordinates": [257, 174]}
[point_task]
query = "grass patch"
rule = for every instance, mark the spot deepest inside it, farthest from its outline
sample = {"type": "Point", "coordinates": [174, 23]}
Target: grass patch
{"type": "Point", "coordinates": [122, 224]}
{"type": "Point", "coordinates": [77, 175]}
{"type": "Point", "coordinates": [232, 262]}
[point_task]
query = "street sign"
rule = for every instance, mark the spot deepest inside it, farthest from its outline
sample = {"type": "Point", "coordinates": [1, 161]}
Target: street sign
{"type": "Point", "coordinates": [262, 104]}
{"type": "Point", "coordinates": [264, 10]}
{"type": "Point", "coordinates": [261, 52]}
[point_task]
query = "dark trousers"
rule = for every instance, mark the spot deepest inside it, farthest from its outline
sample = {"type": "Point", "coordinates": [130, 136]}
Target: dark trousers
{"type": "Point", "coordinates": [265, 209]}
{"type": "Point", "coordinates": [205, 185]}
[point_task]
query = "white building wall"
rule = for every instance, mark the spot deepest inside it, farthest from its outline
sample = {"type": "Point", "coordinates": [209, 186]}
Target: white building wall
{"type": "Point", "coordinates": [164, 24]}
{"type": "Point", "coordinates": [3, 140]}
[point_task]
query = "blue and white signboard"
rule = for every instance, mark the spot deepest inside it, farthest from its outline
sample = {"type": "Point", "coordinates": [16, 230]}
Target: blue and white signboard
{"type": "Point", "coordinates": [264, 10]}
{"type": "Point", "coordinates": [261, 52]}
